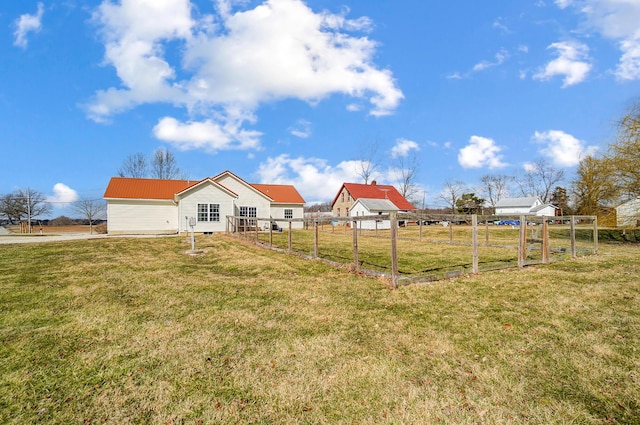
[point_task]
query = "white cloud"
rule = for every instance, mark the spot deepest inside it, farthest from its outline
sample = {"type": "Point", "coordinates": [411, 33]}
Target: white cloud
{"type": "Point", "coordinates": [500, 57]}
{"type": "Point", "coordinates": [301, 129]}
{"type": "Point", "coordinates": [208, 135]}
{"type": "Point", "coordinates": [315, 179]}
{"type": "Point", "coordinates": [25, 24]}
{"type": "Point", "coordinates": [571, 62]}
{"type": "Point", "coordinates": [616, 20]}
{"type": "Point", "coordinates": [563, 4]}
{"type": "Point", "coordinates": [235, 60]}
{"type": "Point", "coordinates": [62, 194]}
{"type": "Point", "coordinates": [562, 148]}
{"type": "Point", "coordinates": [403, 147]}
{"type": "Point", "coordinates": [480, 152]}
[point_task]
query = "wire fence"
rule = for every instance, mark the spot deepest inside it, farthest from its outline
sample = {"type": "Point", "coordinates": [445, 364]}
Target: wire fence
{"type": "Point", "coordinates": [410, 247]}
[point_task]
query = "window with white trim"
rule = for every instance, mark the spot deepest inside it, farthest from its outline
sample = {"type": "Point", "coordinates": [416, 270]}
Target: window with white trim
{"type": "Point", "coordinates": [288, 213]}
{"type": "Point", "coordinates": [249, 212]}
{"type": "Point", "coordinates": [208, 212]}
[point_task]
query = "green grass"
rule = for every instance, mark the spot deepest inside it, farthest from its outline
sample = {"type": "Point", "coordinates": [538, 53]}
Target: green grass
{"type": "Point", "coordinates": [433, 252]}
{"type": "Point", "coordinates": [136, 331]}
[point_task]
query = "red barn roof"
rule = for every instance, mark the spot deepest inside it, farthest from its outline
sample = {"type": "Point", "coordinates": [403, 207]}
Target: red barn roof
{"type": "Point", "coordinates": [376, 191]}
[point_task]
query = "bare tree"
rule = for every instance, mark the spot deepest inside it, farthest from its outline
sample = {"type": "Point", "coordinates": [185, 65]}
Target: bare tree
{"type": "Point", "coordinates": [452, 191]}
{"type": "Point", "coordinates": [134, 165]}
{"type": "Point", "coordinates": [91, 209]}
{"type": "Point", "coordinates": [495, 187]}
{"type": "Point", "coordinates": [164, 165]}
{"type": "Point", "coordinates": [24, 204]}
{"type": "Point", "coordinates": [406, 171]}
{"type": "Point", "coordinates": [540, 179]}
{"type": "Point", "coordinates": [368, 162]}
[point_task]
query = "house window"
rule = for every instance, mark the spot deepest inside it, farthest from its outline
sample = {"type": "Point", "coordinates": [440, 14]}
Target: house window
{"type": "Point", "coordinates": [249, 212]}
{"type": "Point", "coordinates": [338, 212]}
{"type": "Point", "coordinates": [348, 197]}
{"type": "Point", "coordinates": [342, 200]}
{"type": "Point", "coordinates": [208, 212]}
{"type": "Point", "coordinates": [288, 213]}
{"type": "Point", "coordinates": [347, 212]}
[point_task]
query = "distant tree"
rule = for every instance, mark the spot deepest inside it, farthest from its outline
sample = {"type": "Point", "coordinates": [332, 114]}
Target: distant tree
{"type": "Point", "coordinates": [625, 153]}
{"type": "Point", "coordinates": [62, 220]}
{"type": "Point", "coordinates": [164, 165]}
{"type": "Point", "coordinates": [134, 165]}
{"type": "Point", "coordinates": [539, 179]}
{"type": "Point", "coordinates": [560, 199]}
{"type": "Point", "coordinates": [451, 192]}
{"type": "Point", "coordinates": [595, 185]}
{"type": "Point", "coordinates": [469, 203]}
{"type": "Point", "coordinates": [91, 209]}
{"type": "Point", "coordinates": [24, 204]}
{"type": "Point", "coordinates": [368, 161]}
{"type": "Point", "coordinates": [495, 187]}
{"type": "Point", "coordinates": [406, 170]}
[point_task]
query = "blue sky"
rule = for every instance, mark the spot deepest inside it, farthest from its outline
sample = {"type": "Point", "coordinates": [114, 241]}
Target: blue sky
{"type": "Point", "coordinates": [291, 91]}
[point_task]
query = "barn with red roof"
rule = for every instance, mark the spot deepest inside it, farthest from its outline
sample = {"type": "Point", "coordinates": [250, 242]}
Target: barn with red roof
{"type": "Point", "coordinates": [349, 193]}
{"type": "Point", "coordinates": [153, 206]}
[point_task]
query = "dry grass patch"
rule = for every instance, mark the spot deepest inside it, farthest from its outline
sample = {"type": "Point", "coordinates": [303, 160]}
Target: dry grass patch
{"type": "Point", "coordinates": [134, 331]}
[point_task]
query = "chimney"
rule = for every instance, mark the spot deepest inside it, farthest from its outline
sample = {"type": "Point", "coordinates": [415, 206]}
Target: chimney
{"type": "Point", "coordinates": [373, 183]}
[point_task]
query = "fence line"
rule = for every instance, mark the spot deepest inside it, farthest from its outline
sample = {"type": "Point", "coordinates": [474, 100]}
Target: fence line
{"type": "Point", "coordinates": [533, 236]}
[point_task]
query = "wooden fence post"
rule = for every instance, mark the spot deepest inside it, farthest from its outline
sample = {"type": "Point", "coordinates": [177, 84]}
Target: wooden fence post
{"type": "Point", "coordinates": [545, 240]}
{"type": "Point", "coordinates": [451, 230]}
{"type": "Point", "coordinates": [270, 233]}
{"type": "Point", "coordinates": [522, 243]}
{"type": "Point", "coordinates": [595, 235]}
{"type": "Point", "coordinates": [393, 218]}
{"type": "Point", "coordinates": [290, 237]}
{"type": "Point", "coordinates": [354, 230]}
{"type": "Point", "coordinates": [315, 238]}
{"type": "Point", "coordinates": [572, 226]}
{"type": "Point", "coordinates": [474, 240]}
{"type": "Point", "coordinates": [420, 221]}
{"type": "Point", "coordinates": [486, 231]}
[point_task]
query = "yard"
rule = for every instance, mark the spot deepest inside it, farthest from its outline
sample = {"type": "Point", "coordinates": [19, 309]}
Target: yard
{"type": "Point", "coordinates": [136, 331]}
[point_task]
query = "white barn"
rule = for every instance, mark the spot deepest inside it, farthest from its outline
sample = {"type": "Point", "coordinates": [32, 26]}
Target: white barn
{"type": "Point", "coordinates": [153, 206]}
{"type": "Point", "coordinates": [370, 207]}
{"type": "Point", "coordinates": [531, 205]}
{"type": "Point", "coordinates": [628, 213]}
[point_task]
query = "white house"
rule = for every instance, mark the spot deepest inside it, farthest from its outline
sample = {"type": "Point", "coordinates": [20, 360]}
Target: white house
{"type": "Point", "coordinates": [370, 207]}
{"type": "Point", "coordinates": [525, 206]}
{"type": "Point", "coordinates": [628, 213]}
{"type": "Point", "coordinates": [153, 206]}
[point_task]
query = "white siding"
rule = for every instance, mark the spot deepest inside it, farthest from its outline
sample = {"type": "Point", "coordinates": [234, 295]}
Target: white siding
{"type": "Point", "coordinates": [206, 193]}
{"type": "Point", "coordinates": [141, 217]}
{"type": "Point", "coordinates": [247, 196]}
{"type": "Point", "coordinates": [628, 214]}
{"type": "Point", "coordinates": [277, 212]}
{"type": "Point", "coordinates": [360, 210]}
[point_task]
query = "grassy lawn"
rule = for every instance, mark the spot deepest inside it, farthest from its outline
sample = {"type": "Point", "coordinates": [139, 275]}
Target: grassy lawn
{"type": "Point", "coordinates": [432, 252]}
{"type": "Point", "coordinates": [134, 331]}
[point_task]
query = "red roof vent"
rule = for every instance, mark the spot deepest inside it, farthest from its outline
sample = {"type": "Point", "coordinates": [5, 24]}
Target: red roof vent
{"type": "Point", "coordinates": [373, 183]}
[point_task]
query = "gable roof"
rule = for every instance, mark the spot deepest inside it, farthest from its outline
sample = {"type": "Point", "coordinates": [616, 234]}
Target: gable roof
{"type": "Point", "coordinates": [377, 204]}
{"type": "Point", "coordinates": [134, 188]}
{"type": "Point", "coordinates": [280, 193]}
{"type": "Point", "coordinates": [211, 182]}
{"type": "Point", "coordinates": [517, 202]}
{"type": "Point", "coordinates": [375, 191]}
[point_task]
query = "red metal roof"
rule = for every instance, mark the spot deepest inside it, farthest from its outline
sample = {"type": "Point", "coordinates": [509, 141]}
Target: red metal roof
{"type": "Point", "coordinates": [131, 188]}
{"type": "Point", "coordinates": [376, 191]}
{"type": "Point", "coordinates": [280, 193]}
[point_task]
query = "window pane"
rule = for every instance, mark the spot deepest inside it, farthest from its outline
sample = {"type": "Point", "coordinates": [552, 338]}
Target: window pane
{"type": "Point", "coordinates": [214, 212]}
{"type": "Point", "coordinates": [203, 212]}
